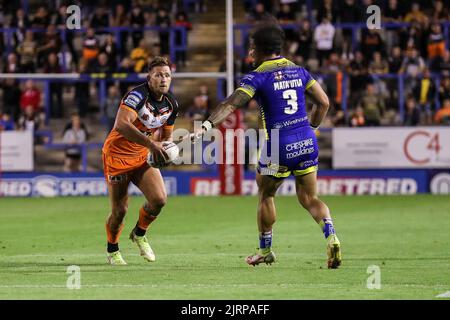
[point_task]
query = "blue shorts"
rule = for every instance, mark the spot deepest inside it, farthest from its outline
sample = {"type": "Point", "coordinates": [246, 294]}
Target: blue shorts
{"type": "Point", "coordinates": [296, 153]}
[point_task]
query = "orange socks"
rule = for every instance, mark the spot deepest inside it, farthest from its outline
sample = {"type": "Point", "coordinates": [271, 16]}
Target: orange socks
{"type": "Point", "coordinates": [145, 219]}
{"type": "Point", "coordinates": [113, 236]}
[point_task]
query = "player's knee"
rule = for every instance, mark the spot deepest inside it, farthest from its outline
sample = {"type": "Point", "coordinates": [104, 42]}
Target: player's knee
{"type": "Point", "coordinates": [265, 193]}
{"type": "Point", "coordinates": [159, 202]}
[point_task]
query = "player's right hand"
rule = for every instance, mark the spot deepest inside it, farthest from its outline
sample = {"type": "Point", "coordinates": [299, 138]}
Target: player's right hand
{"type": "Point", "coordinates": [195, 137]}
{"type": "Point", "coordinates": [159, 155]}
{"type": "Point", "coordinates": [192, 137]}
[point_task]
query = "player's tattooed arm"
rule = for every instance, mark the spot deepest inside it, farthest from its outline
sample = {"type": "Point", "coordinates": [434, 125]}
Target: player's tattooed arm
{"type": "Point", "coordinates": [321, 104]}
{"type": "Point", "coordinates": [236, 100]}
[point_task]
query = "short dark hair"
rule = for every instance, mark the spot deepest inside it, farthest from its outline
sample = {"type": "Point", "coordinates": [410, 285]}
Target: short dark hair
{"type": "Point", "coordinates": [158, 62]}
{"type": "Point", "coordinates": [268, 39]}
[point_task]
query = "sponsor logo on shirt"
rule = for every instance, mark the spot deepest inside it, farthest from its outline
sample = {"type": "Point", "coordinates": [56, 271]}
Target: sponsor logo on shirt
{"type": "Point", "coordinates": [288, 123]}
{"type": "Point", "coordinates": [132, 100]}
{"type": "Point", "coordinates": [278, 75]}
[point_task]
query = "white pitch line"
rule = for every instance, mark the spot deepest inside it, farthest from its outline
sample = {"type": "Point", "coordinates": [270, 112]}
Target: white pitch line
{"type": "Point", "coordinates": [444, 295]}
{"type": "Point", "coordinates": [162, 285]}
{"type": "Point", "coordinates": [241, 285]}
{"type": "Point", "coordinates": [311, 256]}
{"type": "Point", "coordinates": [104, 254]}
{"type": "Point", "coordinates": [64, 255]}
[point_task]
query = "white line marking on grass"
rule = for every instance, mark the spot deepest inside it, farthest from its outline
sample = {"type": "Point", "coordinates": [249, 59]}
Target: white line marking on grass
{"type": "Point", "coordinates": [130, 254]}
{"type": "Point", "coordinates": [311, 256]}
{"type": "Point", "coordinates": [156, 285]}
{"type": "Point", "coordinates": [174, 285]}
{"type": "Point", "coordinates": [444, 295]}
{"type": "Point", "coordinates": [62, 255]}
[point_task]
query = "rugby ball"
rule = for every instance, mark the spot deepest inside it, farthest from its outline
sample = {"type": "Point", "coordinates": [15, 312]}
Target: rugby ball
{"type": "Point", "coordinates": [170, 148]}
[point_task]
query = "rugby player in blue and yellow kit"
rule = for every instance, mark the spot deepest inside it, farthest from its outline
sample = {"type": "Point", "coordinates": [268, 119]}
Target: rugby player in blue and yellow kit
{"type": "Point", "coordinates": [280, 87]}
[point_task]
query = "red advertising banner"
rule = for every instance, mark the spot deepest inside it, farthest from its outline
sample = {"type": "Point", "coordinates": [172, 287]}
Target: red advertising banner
{"type": "Point", "coordinates": [230, 172]}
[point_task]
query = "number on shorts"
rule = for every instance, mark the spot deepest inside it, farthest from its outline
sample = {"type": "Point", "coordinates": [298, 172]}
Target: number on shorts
{"type": "Point", "coordinates": [291, 97]}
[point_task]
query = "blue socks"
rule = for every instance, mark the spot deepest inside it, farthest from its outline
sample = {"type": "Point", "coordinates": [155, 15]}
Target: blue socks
{"type": "Point", "coordinates": [265, 241]}
{"type": "Point", "coordinates": [265, 238]}
{"type": "Point", "coordinates": [327, 227]}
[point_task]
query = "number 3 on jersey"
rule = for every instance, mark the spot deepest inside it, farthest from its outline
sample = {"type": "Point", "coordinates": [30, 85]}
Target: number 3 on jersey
{"type": "Point", "coordinates": [291, 97]}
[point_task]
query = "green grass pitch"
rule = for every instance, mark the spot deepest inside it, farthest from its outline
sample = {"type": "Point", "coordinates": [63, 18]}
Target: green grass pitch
{"type": "Point", "coordinates": [201, 242]}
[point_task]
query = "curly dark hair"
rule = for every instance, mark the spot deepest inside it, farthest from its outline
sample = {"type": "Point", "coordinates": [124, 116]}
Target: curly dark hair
{"type": "Point", "coordinates": [268, 38]}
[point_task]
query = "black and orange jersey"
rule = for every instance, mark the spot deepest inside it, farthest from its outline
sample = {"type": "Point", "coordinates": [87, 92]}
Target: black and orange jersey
{"type": "Point", "coordinates": [151, 115]}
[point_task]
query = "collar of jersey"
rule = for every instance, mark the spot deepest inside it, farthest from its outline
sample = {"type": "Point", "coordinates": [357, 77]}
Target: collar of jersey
{"type": "Point", "coordinates": [271, 63]}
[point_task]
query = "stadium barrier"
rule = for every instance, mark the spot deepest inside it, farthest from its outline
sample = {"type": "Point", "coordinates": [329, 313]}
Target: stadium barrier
{"type": "Point", "coordinates": [188, 4]}
{"type": "Point", "coordinates": [330, 182]}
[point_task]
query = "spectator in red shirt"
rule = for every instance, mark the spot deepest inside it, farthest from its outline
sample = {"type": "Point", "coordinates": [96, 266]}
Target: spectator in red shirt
{"type": "Point", "coordinates": [357, 118]}
{"type": "Point", "coordinates": [31, 96]}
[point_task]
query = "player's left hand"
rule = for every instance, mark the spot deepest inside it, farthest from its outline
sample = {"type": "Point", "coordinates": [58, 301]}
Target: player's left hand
{"type": "Point", "coordinates": [158, 153]}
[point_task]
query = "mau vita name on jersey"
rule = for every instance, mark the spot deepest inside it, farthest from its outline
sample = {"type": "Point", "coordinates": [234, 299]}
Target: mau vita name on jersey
{"type": "Point", "coordinates": [287, 84]}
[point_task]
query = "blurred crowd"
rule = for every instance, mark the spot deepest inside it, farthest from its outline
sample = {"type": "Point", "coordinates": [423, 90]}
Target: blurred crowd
{"type": "Point", "coordinates": [37, 34]}
{"type": "Point", "coordinates": [38, 46]}
{"type": "Point", "coordinates": [42, 43]}
{"type": "Point", "coordinates": [371, 58]}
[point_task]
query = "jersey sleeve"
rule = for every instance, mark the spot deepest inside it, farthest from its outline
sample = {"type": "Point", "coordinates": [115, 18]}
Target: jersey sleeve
{"type": "Point", "coordinates": [309, 80]}
{"type": "Point", "coordinates": [250, 83]}
{"type": "Point", "coordinates": [133, 100]}
{"type": "Point", "coordinates": [171, 121]}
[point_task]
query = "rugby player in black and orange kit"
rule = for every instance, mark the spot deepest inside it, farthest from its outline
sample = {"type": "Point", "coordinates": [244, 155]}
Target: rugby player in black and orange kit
{"type": "Point", "coordinates": [145, 111]}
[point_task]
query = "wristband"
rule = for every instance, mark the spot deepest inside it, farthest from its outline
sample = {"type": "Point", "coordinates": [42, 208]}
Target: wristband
{"type": "Point", "coordinates": [207, 125]}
